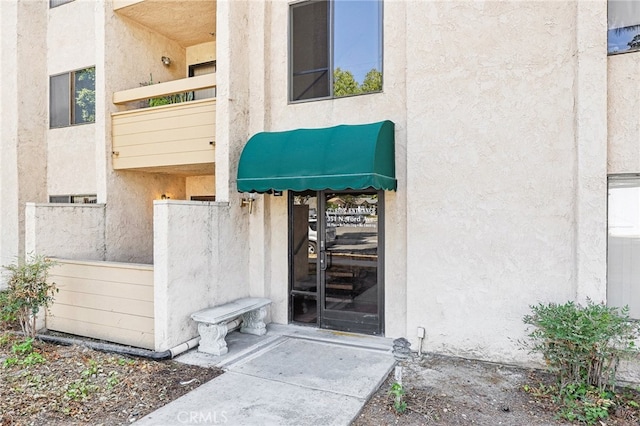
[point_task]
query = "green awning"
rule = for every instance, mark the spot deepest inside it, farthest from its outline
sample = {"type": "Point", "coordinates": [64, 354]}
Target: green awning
{"type": "Point", "coordinates": [336, 158]}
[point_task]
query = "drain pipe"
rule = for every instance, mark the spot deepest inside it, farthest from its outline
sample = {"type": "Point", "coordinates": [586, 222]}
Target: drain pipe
{"type": "Point", "coordinates": [123, 350]}
{"type": "Point", "coordinates": [128, 350]}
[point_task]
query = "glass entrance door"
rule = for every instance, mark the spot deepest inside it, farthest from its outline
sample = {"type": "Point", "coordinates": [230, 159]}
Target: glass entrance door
{"type": "Point", "coordinates": [336, 282]}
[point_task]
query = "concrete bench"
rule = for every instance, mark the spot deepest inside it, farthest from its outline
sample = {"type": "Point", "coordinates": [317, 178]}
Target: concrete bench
{"type": "Point", "coordinates": [213, 323]}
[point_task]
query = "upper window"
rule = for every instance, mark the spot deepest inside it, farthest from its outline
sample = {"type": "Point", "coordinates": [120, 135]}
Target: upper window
{"type": "Point", "coordinates": [624, 26]}
{"type": "Point", "coordinates": [335, 48]}
{"type": "Point", "coordinates": [72, 98]}
{"type": "Point", "coordinates": [56, 3]}
{"type": "Point", "coordinates": [623, 248]}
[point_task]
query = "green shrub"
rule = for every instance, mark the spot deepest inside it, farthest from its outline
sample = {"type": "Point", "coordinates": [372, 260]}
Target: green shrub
{"type": "Point", "coordinates": [28, 291]}
{"type": "Point", "coordinates": [582, 346]}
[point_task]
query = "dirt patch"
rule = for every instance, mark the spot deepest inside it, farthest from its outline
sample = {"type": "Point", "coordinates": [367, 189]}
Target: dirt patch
{"type": "Point", "coordinates": [453, 391]}
{"type": "Point", "coordinates": [74, 385]}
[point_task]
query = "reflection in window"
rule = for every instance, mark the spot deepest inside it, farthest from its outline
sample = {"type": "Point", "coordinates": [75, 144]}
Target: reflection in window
{"type": "Point", "coordinates": [352, 65]}
{"type": "Point", "coordinates": [624, 26]}
{"type": "Point", "coordinates": [623, 262]}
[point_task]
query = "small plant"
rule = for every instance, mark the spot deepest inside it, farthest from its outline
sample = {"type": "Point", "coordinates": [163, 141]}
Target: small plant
{"type": "Point", "coordinates": [166, 100]}
{"type": "Point", "coordinates": [92, 370]}
{"type": "Point", "coordinates": [397, 391]}
{"type": "Point", "coordinates": [79, 390]}
{"type": "Point", "coordinates": [23, 348]}
{"type": "Point", "coordinates": [25, 355]}
{"type": "Point", "coordinates": [112, 379]}
{"type": "Point", "coordinates": [582, 346]}
{"type": "Point", "coordinates": [28, 291]}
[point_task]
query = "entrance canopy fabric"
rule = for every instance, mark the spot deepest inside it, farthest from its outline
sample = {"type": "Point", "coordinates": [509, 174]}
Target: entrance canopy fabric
{"type": "Point", "coordinates": [336, 158]}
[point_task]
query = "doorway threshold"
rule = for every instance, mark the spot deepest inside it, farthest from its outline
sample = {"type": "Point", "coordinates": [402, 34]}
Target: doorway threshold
{"type": "Point", "coordinates": [363, 341]}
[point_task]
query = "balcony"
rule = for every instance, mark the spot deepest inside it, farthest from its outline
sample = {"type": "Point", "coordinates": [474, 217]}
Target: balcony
{"type": "Point", "coordinates": [177, 138]}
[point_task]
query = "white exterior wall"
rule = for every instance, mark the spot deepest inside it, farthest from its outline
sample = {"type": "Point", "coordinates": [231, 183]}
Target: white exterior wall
{"type": "Point", "coordinates": [497, 169]}
{"type": "Point", "coordinates": [22, 115]}
{"type": "Point", "coordinates": [199, 264]}
{"type": "Point", "coordinates": [269, 110]}
{"type": "Point", "coordinates": [70, 231]}
{"type": "Point", "coordinates": [71, 159]}
{"type": "Point", "coordinates": [500, 160]}
{"type": "Point", "coordinates": [9, 237]}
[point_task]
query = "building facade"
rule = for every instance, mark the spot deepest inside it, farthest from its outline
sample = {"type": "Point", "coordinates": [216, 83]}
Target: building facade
{"type": "Point", "coordinates": [212, 147]}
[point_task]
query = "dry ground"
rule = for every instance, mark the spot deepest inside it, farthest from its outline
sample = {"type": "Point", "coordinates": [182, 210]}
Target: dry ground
{"type": "Point", "coordinates": [454, 391]}
{"type": "Point", "coordinates": [78, 386]}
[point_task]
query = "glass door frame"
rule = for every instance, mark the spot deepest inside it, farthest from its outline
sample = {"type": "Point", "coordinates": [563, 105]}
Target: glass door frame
{"type": "Point", "coordinates": [338, 320]}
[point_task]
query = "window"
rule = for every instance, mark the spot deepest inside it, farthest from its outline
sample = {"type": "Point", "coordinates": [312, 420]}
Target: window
{"type": "Point", "coordinates": [72, 98]}
{"type": "Point", "coordinates": [335, 48]}
{"type": "Point", "coordinates": [624, 26]}
{"type": "Point", "coordinates": [623, 258]}
{"type": "Point", "coordinates": [74, 199]}
{"type": "Point", "coordinates": [56, 3]}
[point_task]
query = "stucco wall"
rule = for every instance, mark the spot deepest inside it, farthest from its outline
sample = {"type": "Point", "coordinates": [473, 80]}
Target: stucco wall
{"type": "Point", "coordinates": [200, 185]}
{"type": "Point", "coordinates": [623, 118]}
{"type": "Point", "coordinates": [199, 264]}
{"type": "Point", "coordinates": [9, 237]}
{"type": "Point", "coordinates": [270, 111]}
{"type": "Point", "coordinates": [71, 151]}
{"type": "Point", "coordinates": [500, 160]}
{"type": "Point", "coordinates": [493, 171]}
{"type": "Point", "coordinates": [70, 231]}
{"type": "Point", "coordinates": [200, 53]}
{"type": "Point", "coordinates": [130, 195]}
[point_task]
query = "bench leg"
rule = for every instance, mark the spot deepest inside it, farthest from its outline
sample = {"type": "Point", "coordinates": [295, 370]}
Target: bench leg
{"type": "Point", "coordinates": [212, 338]}
{"type": "Point", "coordinates": [253, 322]}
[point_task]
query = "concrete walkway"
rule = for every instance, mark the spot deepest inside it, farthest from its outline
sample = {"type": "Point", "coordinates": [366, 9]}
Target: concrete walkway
{"type": "Point", "coordinates": [291, 376]}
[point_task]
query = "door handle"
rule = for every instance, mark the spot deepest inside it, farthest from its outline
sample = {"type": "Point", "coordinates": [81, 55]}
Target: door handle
{"type": "Point", "coordinates": [323, 260]}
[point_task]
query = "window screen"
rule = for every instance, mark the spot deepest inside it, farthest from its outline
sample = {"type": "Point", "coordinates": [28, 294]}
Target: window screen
{"type": "Point", "coordinates": [59, 101]}
{"type": "Point", "coordinates": [310, 50]}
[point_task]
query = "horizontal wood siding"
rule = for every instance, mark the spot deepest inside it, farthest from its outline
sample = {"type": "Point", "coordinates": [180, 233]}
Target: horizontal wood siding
{"type": "Point", "coordinates": [104, 300]}
{"type": "Point", "coordinates": [169, 135]}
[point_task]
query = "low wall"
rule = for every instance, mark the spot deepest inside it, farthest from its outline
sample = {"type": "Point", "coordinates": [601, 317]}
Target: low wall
{"type": "Point", "coordinates": [199, 258]}
{"type": "Point", "coordinates": [70, 231]}
{"type": "Point", "coordinates": [104, 300]}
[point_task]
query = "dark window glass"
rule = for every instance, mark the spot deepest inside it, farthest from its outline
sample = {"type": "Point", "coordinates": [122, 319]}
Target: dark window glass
{"type": "Point", "coordinates": [310, 50]}
{"type": "Point", "coordinates": [59, 101]}
{"type": "Point", "coordinates": [336, 48]}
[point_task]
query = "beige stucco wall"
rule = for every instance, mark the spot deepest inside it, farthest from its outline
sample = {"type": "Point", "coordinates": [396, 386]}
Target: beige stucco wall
{"type": "Point", "coordinates": [200, 53]}
{"type": "Point", "coordinates": [200, 185]}
{"type": "Point", "coordinates": [130, 195]}
{"type": "Point", "coordinates": [73, 147]}
{"type": "Point", "coordinates": [492, 170]}
{"type": "Point", "coordinates": [269, 111]}
{"type": "Point", "coordinates": [9, 237]}
{"type": "Point", "coordinates": [22, 114]}
{"type": "Point", "coordinates": [199, 256]}
{"type": "Point", "coordinates": [71, 231]}
{"type": "Point", "coordinates": [500, 160]}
